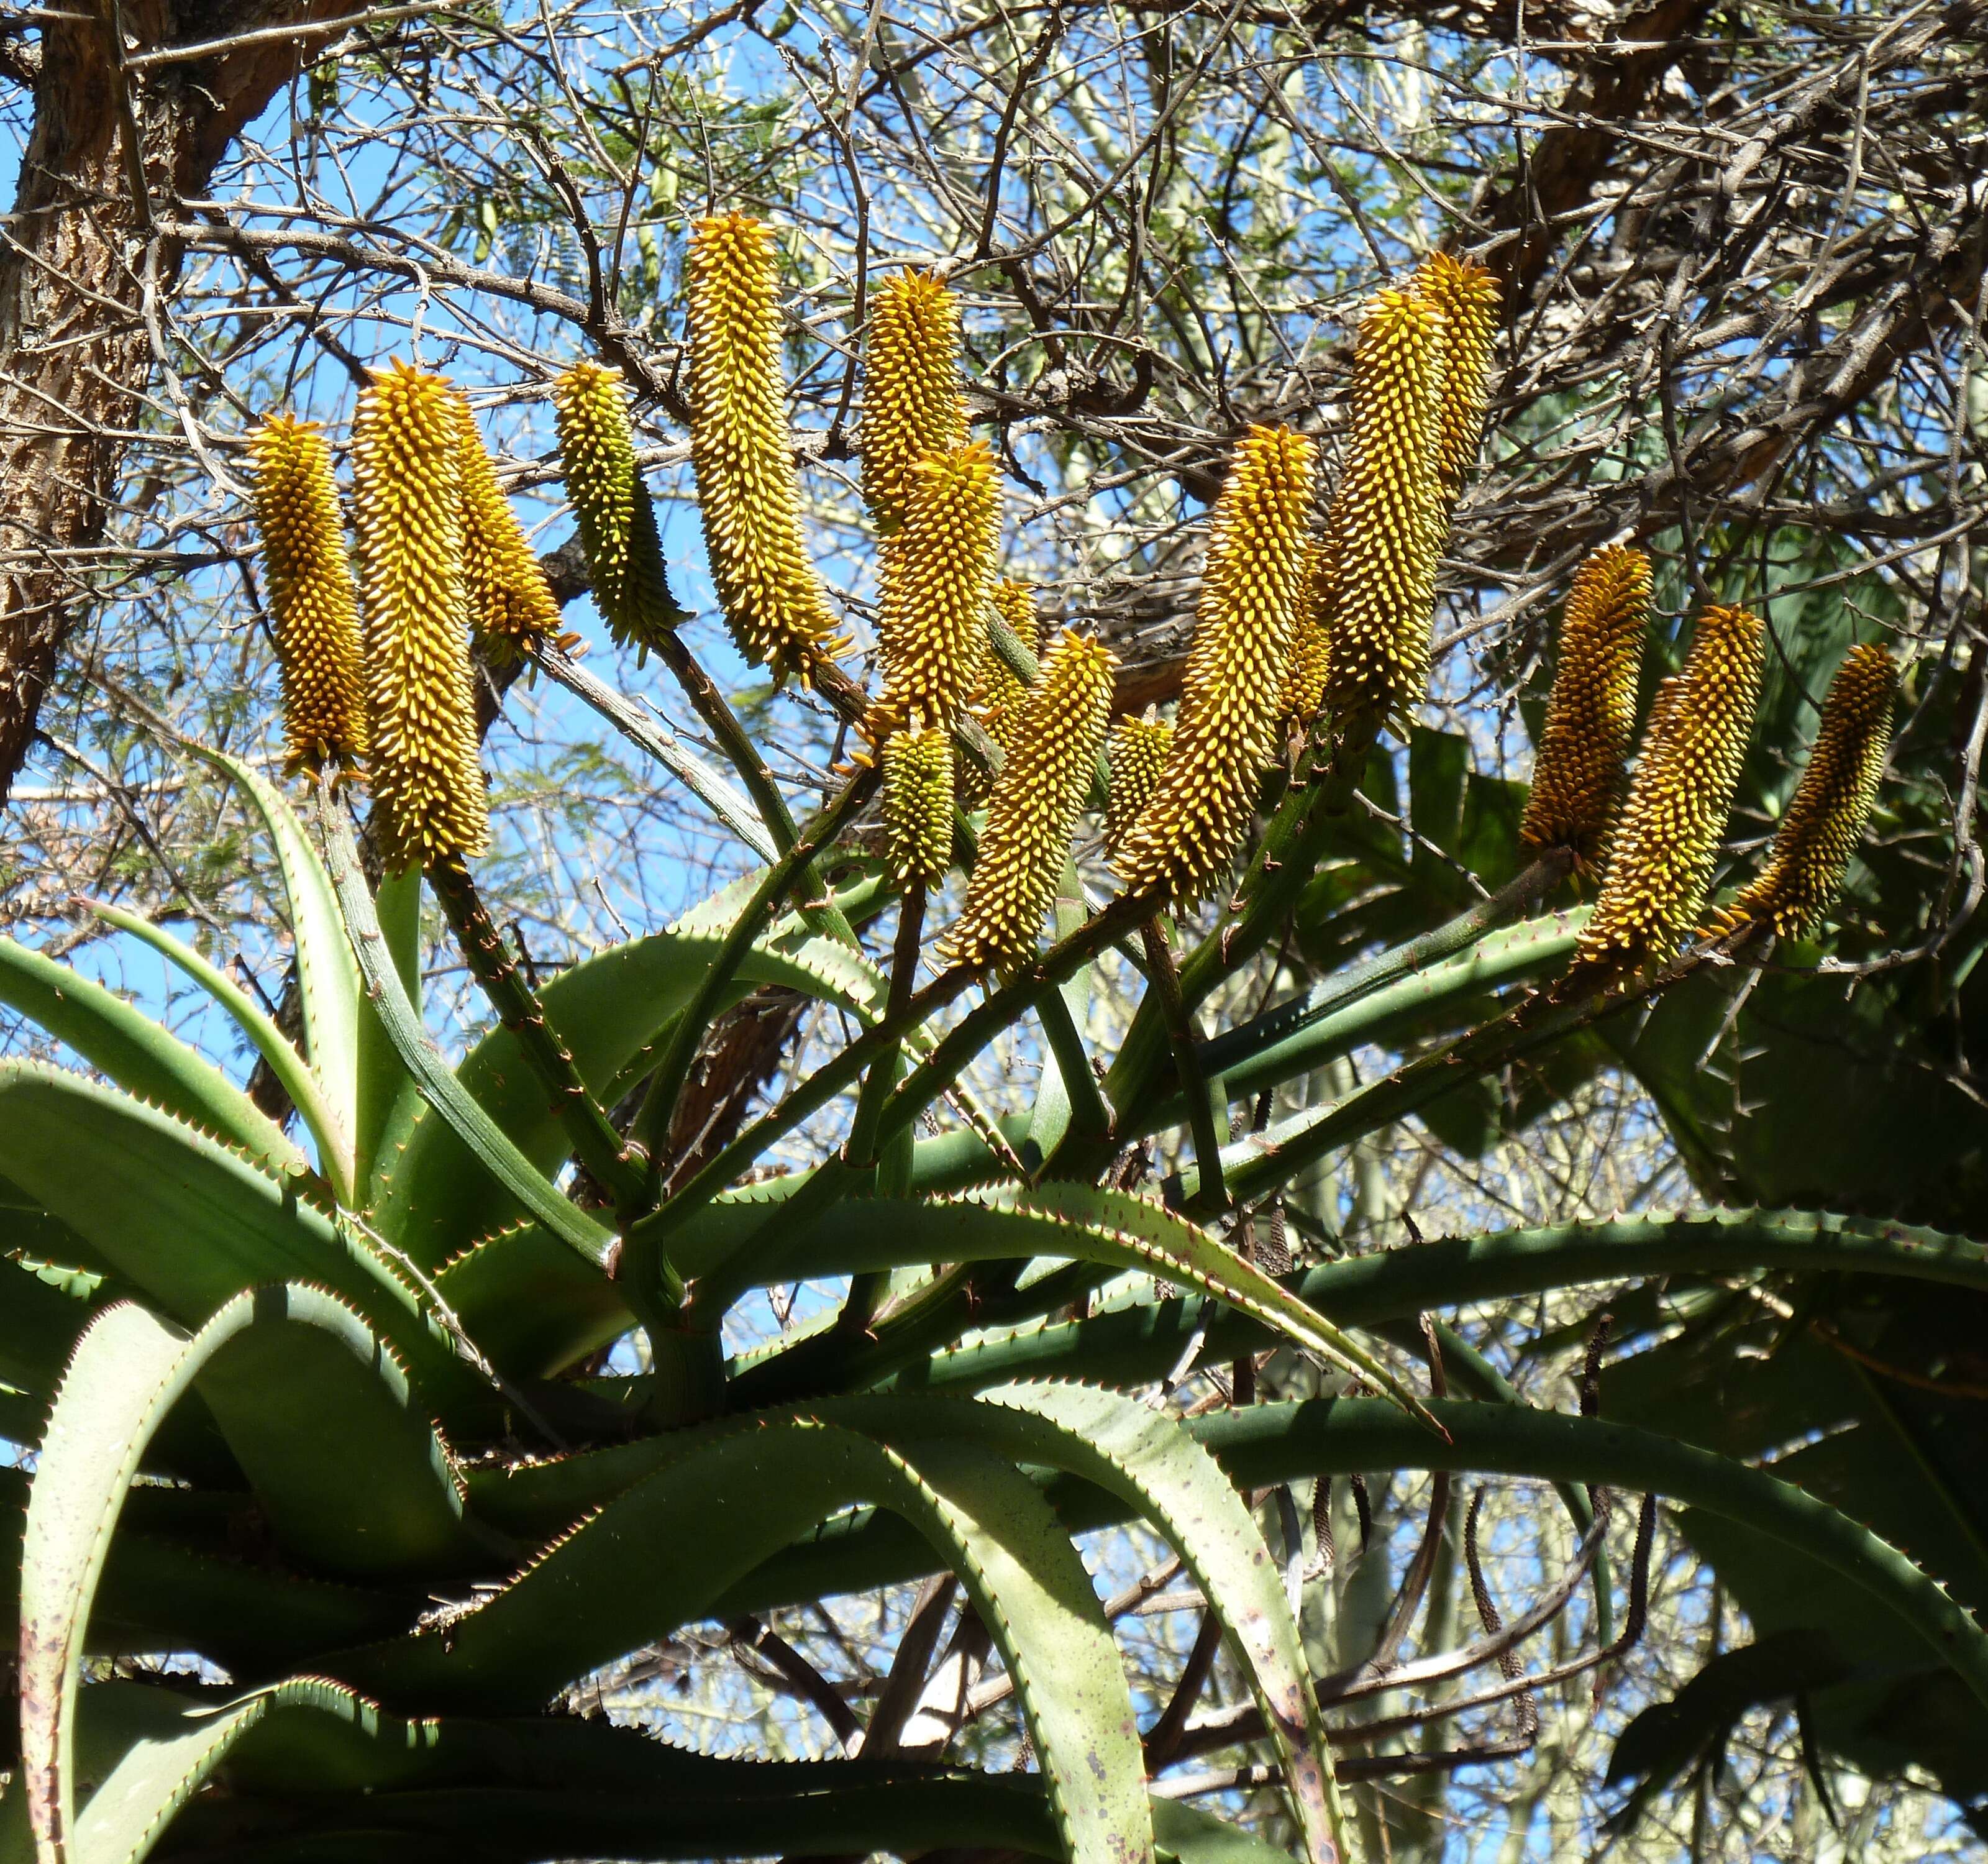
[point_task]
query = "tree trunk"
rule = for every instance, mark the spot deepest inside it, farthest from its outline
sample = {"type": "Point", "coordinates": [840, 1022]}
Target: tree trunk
{"type": "Point", "coordinates": [82, 273]}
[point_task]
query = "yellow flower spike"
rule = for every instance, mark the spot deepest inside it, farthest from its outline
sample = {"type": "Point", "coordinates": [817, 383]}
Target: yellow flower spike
{"type": "Point", "coordinates": [1015, 603]}
{"type": "Point", "coordinates": [1591, 712]}
{"type": "Point", "coordinates": [1309, 668]}
{"type": "Point", "coordinates": [1468, 298]}
{"type": "Point", "coordinates": [1139, 748]}
{"type": "Point", "coordinates": [311, 596]}
{"type": "Point", "coordinates": [421, 717]}
{"type": "Point", "coordinates": [937, 580]}
{"type": "Point", "coordinates": [911, 405]}
{"type": "Point", "coordinates": [510, 601]}
{"type": "Point", "coordinates": [611, 506]}
{"type": "Point", "coordinates": [748, 495]}
{"type": "Point", "coordinates": [917, 767]}
{"type": "Point", "coordinates": [1660, 856]}
{"type": "Point", "coordinates": [1033, 811]}
{"type": "Point", "coordinates": [1826, 816]}
{"type": "Point", "coordinates": [1389, 513]}
{"type": "Point", "coordinates": [1253, 590]}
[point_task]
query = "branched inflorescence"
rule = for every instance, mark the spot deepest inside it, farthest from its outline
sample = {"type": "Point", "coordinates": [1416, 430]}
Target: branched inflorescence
{"type": "Point", "coordinates": [1389, 513]}
{"type": "Point", "coordinates": [917, 766]}
{"type": "Point", "coordinates": [611, 506]}
{"type": "Point", "coordinates": [1468, 296]}
{"type": "Point", "coordinates": [1591, 713]}
{"type": "Point", "coordinates": [1253, 592]}
{"type": "Point", "coordinates": [311, 596]}
{"type": "Point", "coordinates": [747, 492]}
{"type": "Point", "coordinates": [421, 730]}
{"type": "Point", "coordinates": [1033, 811]}
{"type": "Point", "coordinates": [510, 602]}
{"type": "Point", "coordinates": [911, 405]}
{"type": "Point", "coordinates": [1660, 856]}
{"type": "Point", "coordinates": [1138, 752]}
{"type": "Point", "coordinates": [1826, 816]}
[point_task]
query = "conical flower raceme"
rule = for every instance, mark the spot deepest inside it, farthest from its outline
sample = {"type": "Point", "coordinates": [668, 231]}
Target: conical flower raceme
{"type": "Point", "coordinates": [1001, 693]}
{"type": "Point", "coordinates": [1310, 667]}
{"type": "Point", "coordinates": [1591, 713]}
{"type": "Point", "coordinates": [1389, 513]}
{"type": "Point", "coordinates": [917, 767]}
{"type": "Point", "coordinates": [912, 404]}
{"type": "Point", "coordinates": [510, 602]}
{"type": "Point", "coordinates": [311, 597]}
{"type": "Point", "coordinates": [1138, 752]}
{"type": "Point", "coordinates": [1468, 296]}
{"type": "Point", "coordinates": [1826, 816]}
{"type": "Point", "coordinates": [1660, 856]}
{"type": "Point", "coordinates": [611, 506]}
{"type": "Point", "coordinates": [1225, 737]}
{"type": "Point", "coordinates": [938, 581]}
{"type": "Point", "coordinates": [1033, 811]}
{"type": "Point", "coordinates": [407, 448]}
{"type": "Point", "coordinates": [748, 495]}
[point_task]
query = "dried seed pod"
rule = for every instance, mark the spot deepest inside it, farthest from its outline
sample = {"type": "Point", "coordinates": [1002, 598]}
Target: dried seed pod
{"type": "Point", "coordinates": [611, 506]}
{"type": "Point", "coordinates": [1139, 748]}
{"type": "Point", "coordinates": [937, 580]}
{"type": "Point", "coordinates": [917, 768]}
{"type": "Point", "coordinates": [421, 717]}
{"type": "Point", "coordinates": [1034, 809]}
{"type": "Point", "coordinates": [1591, 713]}
{"type": "Point", "coordinates": [911, 405]}
{"type": "Point", "coordinates": [1308, 669]}
{"type": "Point", "coordinates": [1660, 856]}
{"type": "Point", "coordinates": [510, 602]}
{"type": "Point", "coordinates": [1225, 734]}
{"type": "Point", "coordinates": [1468, 296]}
{"type": "Point", "coordinates": [748, 495]}
{"type": "Point", "coordinates": [311, 596]}
{"type": "Point", "coordinates": [1825, 817]}
{"type": "Point", "coordinates": [1388, 515]}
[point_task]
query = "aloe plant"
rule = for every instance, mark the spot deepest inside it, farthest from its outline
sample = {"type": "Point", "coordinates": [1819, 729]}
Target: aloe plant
{"type": "Point", "coordinates": [327, 1412]}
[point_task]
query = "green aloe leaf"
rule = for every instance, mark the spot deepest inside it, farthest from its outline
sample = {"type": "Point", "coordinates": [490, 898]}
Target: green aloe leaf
{"type": "Point", "coordinates": [334, 1142]}
{"type": "Point", "coordinates": [345, 1469]}
{"type": "Point", "coordinates": [629, 1574]}
{"type": "Point", "coordinates": [145, 1060]}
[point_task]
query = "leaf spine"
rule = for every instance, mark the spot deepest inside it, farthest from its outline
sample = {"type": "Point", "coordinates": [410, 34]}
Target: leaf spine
{"type": "Point", "coordinates": [611, 507]}
{"type": "Point", "coordinates": [510, 602]}
{"type": "Point", "coordinates": [1033, 812]}
{"type": "Point", "coordinates": [748, 494]}
{"type": "Point", "coordinates": [312, 600]}
{"type": "Point", "coordinates": [912, 404]}
{"type": "Point", "coordinates": [916, 764]}
{"type": "Point", "coordinates": [1224, 734]}
{"type": "Point", "coordinates": [1660, 857]}
{"type": "Point", "coordinates": [1591, 712]}
{"type": "Point", "coordinates": [1389, 514]}
{"type": "Point", "coordinates": [420, 716]}
{"type": "Point", "coordinates": [1826, 816]}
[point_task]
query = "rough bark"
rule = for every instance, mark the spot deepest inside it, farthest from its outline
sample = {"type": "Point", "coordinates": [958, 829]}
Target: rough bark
{"type": "Point", "coordinates": [83, 267]}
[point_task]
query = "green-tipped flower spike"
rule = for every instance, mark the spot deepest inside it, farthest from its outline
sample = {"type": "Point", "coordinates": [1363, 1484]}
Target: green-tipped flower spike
{"type": "Point", "coordinates": [1827, 814]}
{"type": "Point", "coordinates": [611, 506]}
{"type": "Point", "coordinates": [911, 405]}
{"type": "Point", "coordinates": [1389, 513]}
{"type": "Point", "coordinates": [1309, 668]}
{"type": "Point", "coordinates": [917, 767]}
{"type": "Point", "coordinates": [311, 596]}
{"type": "Point", "coordinates": [1253, 590]}
{"type": "Point", "coordinates": [510, 602]}
{"type": "Point", "coordinates": [1035, 805]}
{"type": "Point", "coordinates": [1468, 296]}
{"type": "Point", "coordinates": [1578, 774]}
{"type": "Point", "coordinates": [1002, 694]}
{"type": "Point", "coordinates": [1139, 749]}
{"type": "Point", "coordinates": [407, 451]}
{"type": "Point", "coordinates": [1660, 856]}
{"type": "Point", "coordinates": [938, 581]}
{"type": "Point", "coordinates": [747, 492]}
